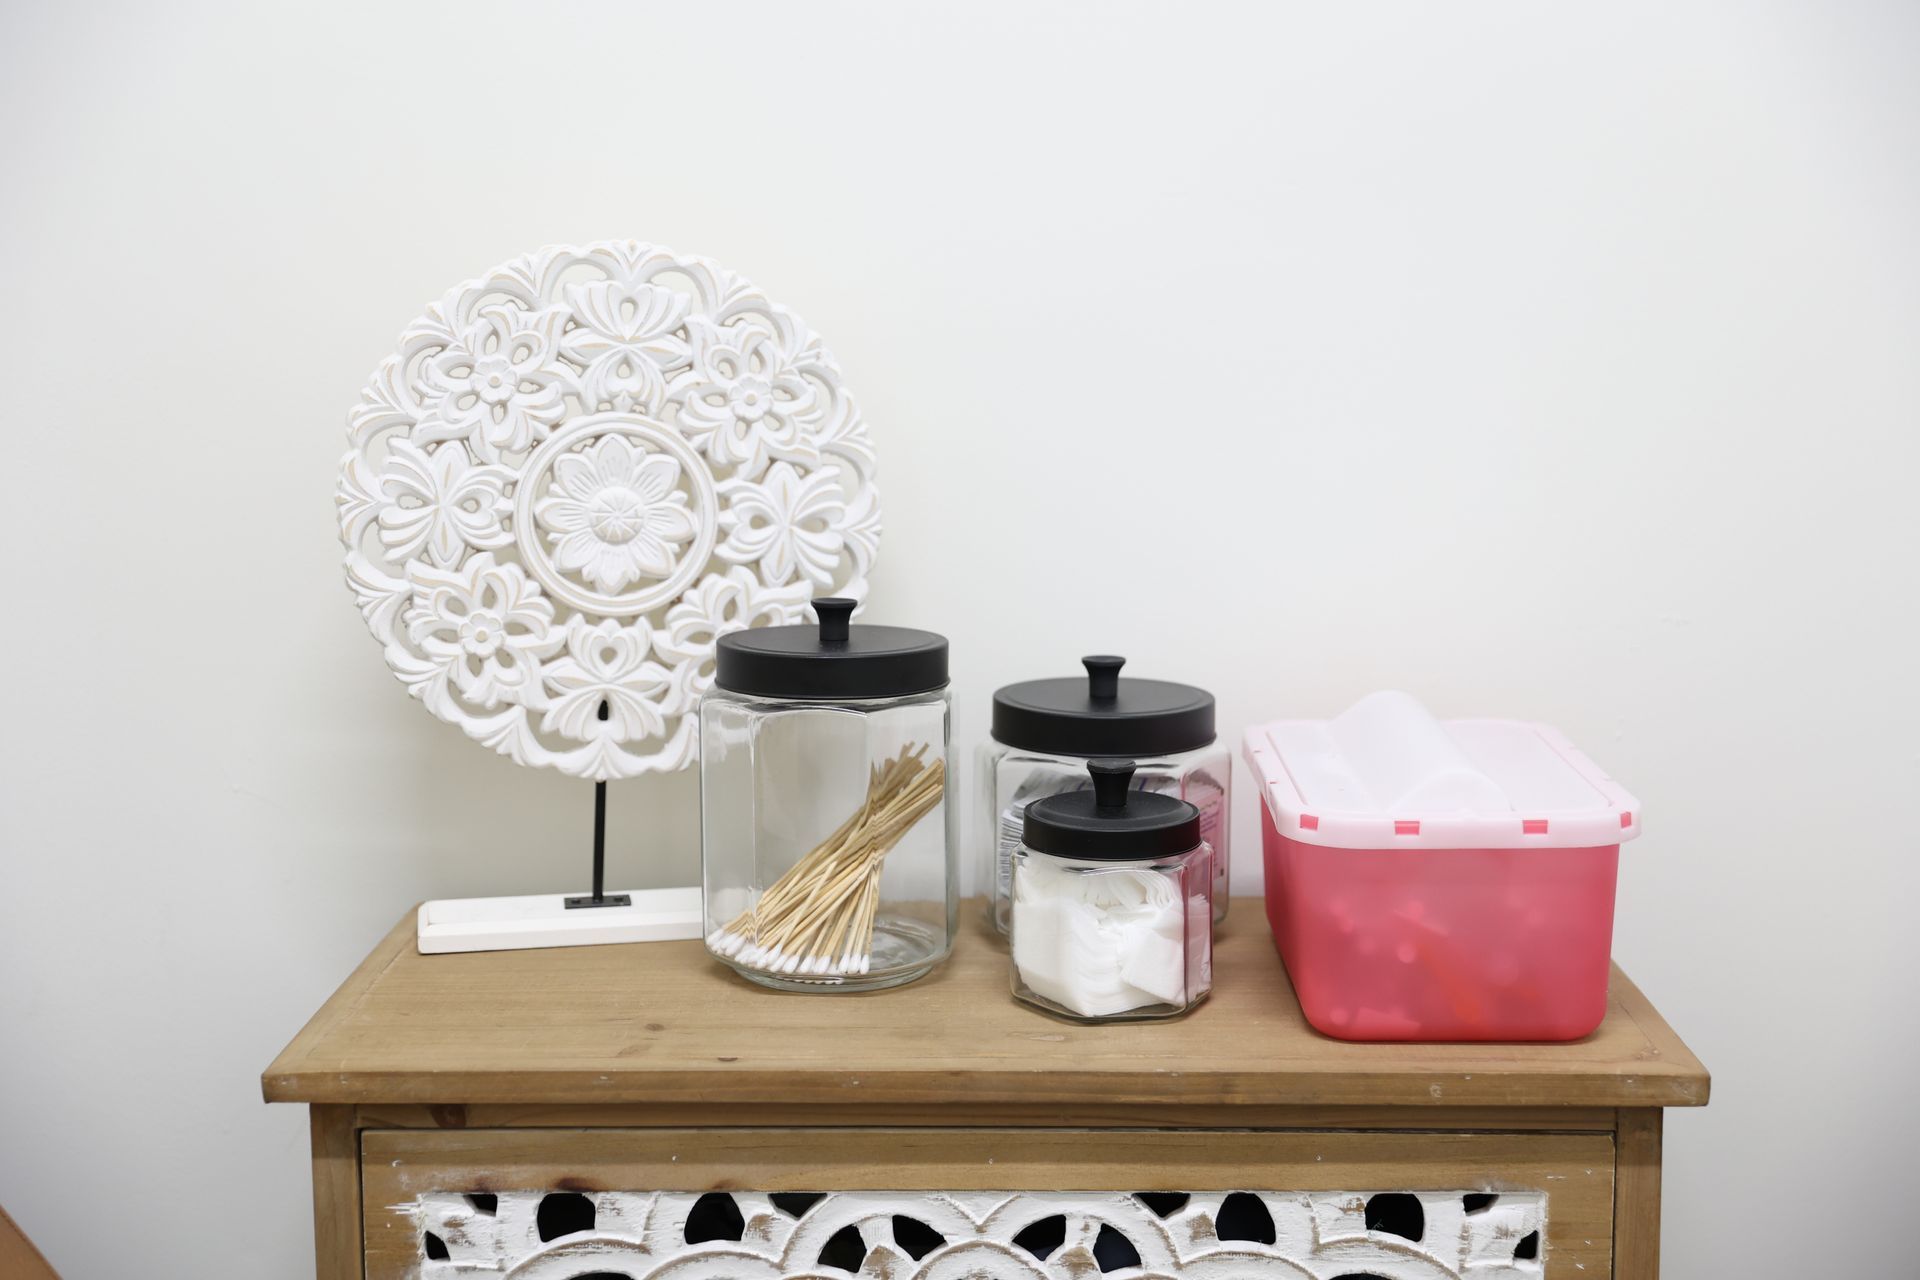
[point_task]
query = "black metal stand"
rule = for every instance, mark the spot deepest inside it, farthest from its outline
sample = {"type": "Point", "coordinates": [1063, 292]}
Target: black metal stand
{"type": "Point", "coordinates": [600, 897]}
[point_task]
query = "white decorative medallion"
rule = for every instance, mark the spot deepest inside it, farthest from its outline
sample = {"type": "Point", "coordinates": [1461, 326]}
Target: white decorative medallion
{"type": "Point", "coordinates": [574, 475]}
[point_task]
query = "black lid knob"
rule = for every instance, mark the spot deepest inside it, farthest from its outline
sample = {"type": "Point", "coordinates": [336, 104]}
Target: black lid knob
{"type": "Point", "coordinates": [1103, 676]}
{"type": "Point", "coordinates": [835, 614]}
{"type": "Point", "coordinates": [1111, 780]}
{"type": "Point", "coordinates": [1113, 822]}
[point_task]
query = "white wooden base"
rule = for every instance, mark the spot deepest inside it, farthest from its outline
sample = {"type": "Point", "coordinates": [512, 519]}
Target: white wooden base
{"type": "Point", "coordinates": [544, 920]}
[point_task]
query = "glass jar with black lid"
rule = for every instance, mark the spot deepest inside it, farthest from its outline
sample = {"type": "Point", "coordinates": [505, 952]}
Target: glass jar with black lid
{"type": "Point", "coordinates": [1044, 733]}
{"type": "Point", "coordinates": [827, 843]}
{"type": "Point", "coordinates": [1111, 902]}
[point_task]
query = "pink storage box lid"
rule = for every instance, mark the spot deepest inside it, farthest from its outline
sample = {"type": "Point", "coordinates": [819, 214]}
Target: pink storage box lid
{"type": "Point", "coordinates": [1385, 774]}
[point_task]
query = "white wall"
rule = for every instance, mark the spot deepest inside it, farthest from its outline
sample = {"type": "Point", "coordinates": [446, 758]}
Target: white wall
{"type": "Point", "coordinates": [1546, 361]}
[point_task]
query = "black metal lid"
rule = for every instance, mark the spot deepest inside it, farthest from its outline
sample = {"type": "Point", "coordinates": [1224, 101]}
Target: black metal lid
{"type": "Point", "coordinates": [1111, 823]}
{"type": "Point", "coordinates": [1103, 715]}
{"type": "Point", "coordinates": [832, 660]}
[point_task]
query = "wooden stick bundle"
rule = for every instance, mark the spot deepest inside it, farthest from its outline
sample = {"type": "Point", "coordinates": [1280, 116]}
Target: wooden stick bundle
{"type": "Point", "coordinates": [818, 918]}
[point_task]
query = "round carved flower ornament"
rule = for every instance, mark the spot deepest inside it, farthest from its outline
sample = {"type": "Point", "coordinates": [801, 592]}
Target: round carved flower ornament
{"type": "Point", "coordinates": [574, 475]}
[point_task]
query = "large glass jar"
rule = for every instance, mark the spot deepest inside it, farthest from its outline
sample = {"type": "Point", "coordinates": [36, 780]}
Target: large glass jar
{"type": "Point", "coordinates": [827, 843]}
{"type": "Point", "coordinates": [1112, 914]}
{"type": "Point", "coordinates": [1045, 731]}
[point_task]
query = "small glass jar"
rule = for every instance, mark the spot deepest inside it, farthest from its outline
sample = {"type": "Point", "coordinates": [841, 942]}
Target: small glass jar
{"type": "Point", "coordinates": [1112, 908]}
{"type": "Point", "coordinates": [1045, 731]}
{"type": "Point", "coordinates": [827, 843]}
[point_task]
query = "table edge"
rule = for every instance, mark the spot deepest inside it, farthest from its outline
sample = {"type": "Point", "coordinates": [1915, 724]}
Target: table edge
{"type": "Point", "coordinates": [1673, 1077]}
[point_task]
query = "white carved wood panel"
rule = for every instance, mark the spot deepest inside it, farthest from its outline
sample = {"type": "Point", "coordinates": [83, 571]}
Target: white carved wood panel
{"type": "Point", "coordinates": [982, 1236]}
{"type": "Point", "coordinates": [574, 474]}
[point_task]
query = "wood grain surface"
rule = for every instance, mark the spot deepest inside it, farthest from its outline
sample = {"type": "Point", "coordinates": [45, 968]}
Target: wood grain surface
{"type": "Point", "coordinates": [663, 1023]}
{"type": "Point", "coordinates": [1636, 1196]}
{"type": "Point", "coordinates": [19, 1260]}
{"type": "Point", "coordinates": [336, 1191]}
{"type": "Point", "coordinates": [1046, 1115]}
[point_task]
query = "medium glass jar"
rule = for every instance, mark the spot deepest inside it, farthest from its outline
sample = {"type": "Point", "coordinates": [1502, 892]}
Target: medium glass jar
{"type": "Point", "coordinates": [1111, 900]}
{"type": "Point", "coordinates": [827, 843]}
{"type": "Point", "coordinates": [1045, 731]}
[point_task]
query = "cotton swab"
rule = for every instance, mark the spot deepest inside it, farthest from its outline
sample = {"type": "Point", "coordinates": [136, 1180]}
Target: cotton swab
{"type": "Point", "coordinates": [818, 919]}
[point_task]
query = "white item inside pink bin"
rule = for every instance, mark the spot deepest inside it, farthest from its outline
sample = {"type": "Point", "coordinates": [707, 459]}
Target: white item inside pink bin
{"type": "Point", "coordinates": [1387, 774]}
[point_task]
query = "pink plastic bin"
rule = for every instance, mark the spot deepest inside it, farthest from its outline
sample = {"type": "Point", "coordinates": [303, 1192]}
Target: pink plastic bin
{"type": "Point", "coordinates": [1439, 881]}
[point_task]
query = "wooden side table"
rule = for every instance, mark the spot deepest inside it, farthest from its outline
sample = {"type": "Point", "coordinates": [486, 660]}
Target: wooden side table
{"type": "Point", "coordinates": [636, 1111]}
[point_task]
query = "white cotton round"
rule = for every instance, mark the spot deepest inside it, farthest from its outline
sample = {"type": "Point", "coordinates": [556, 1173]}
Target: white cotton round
{"type": "Point", "coordinates": [1099, 944]}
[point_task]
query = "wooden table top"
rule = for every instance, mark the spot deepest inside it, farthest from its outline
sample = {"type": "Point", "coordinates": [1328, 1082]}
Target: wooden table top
{"type": "Point", "coordinates": [663, 1023]}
